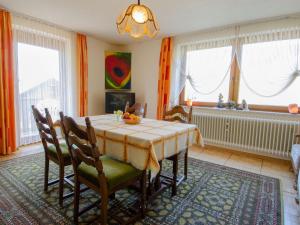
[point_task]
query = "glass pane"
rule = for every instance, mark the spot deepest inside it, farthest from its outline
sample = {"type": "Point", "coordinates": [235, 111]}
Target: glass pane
{"type": "Point", "coordinates": [38, 72]}
{"type": "Point", "coordinates": [210, 74]}
{"type": "Point", "coordinates": [266, 69]}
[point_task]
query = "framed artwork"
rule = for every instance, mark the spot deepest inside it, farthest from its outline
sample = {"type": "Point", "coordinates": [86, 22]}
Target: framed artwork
{"type": "Point", "coordinates": [117, 70]}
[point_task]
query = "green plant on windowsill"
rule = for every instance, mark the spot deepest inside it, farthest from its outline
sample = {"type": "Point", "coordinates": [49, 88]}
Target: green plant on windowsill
{"type": "Point", "coordinates": [230, 105]}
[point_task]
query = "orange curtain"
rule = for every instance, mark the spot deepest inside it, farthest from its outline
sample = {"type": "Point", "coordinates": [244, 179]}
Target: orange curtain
{"type": "Point", "coordinates": [7, 109]}
{"type": "Point", "coordinates": [164, 75]}
{"type": "Point", "coordinates": [82, 69]}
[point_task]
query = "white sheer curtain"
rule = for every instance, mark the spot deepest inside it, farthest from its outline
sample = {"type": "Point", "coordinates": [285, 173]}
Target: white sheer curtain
{"type": "Point", "coordinates": [269, 68]}
{"type": "Point", "coordinates": [270, 61]}
{"type": "Point", "coordinates": [208, 73]}
{"type": "Point", "coordinates": [182, 73]}
{"type": "Point", "coordinates": [277, 68]}
{"type": "Point", "coordinates": [43, 56]}
{"type": "Point", "coordinates": [178, 77]}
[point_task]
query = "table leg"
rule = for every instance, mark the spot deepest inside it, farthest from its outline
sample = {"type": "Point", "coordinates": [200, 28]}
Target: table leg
{"type": "Point", "coordinates": [175, 171]}
{"type": "Point", "coordinates": [157, 184]}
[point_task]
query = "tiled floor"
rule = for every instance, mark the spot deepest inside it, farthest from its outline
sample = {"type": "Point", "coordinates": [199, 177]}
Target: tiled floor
{"type": "Point", "coordinates": [256, 164]}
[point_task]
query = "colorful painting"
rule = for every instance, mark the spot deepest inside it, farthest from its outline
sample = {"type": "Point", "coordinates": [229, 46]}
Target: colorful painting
{"type": "Point", "coordinates": [118, 70]}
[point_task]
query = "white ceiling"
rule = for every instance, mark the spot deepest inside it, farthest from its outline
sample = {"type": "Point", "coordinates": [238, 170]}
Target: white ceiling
{"type": "Point", "coordinates": [97, 17]}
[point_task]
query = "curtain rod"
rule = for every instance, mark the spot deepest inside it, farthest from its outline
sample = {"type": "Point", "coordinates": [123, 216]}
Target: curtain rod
{"type": "Point", "coordinates": [35, 19]}
{"type": "Point", "coordinates": [295, 16]}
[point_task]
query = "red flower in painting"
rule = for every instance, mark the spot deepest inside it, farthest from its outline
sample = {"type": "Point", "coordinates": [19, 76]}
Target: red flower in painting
{"type": "Point", "coordinates": [117, 69]}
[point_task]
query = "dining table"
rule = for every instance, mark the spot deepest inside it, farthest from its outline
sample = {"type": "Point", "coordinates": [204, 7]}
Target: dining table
{"type": "Point", "coordinates": [145, 144]}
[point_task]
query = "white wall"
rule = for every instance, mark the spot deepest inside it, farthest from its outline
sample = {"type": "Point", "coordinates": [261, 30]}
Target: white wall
{"type": "Point", "coordinates": [145, 69]}
{"type": "Point", "coordinates": [96, 71]}
{"type": "Point", "coordinates": [145, 66]}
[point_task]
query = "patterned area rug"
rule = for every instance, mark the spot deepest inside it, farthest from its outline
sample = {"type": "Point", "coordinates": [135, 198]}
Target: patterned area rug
{"type": "Point", "coordinates": [212, 194]}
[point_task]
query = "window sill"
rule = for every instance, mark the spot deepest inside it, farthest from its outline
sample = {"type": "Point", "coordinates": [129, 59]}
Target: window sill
{"type": "Point", "coordinates": [246, 113]}
{"type": "Point", "coordinates": [256, 108]}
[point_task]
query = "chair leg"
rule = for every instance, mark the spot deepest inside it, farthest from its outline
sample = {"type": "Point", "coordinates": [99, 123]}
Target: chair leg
{"type": "Point", "coordinates": [104, 205]}
{"type": "Point", "coordinates": [185, 164]}
{"type": "Point", "coordinates": [61, 184]}
{"type": "Point", "coordinates": [175, 171]}
{"type": "Point", "coordinates": [46, 175]}
{"type": "Point", "coordinates": [76, 201]}
{"type": "Point", "coordinates": [143, 193]}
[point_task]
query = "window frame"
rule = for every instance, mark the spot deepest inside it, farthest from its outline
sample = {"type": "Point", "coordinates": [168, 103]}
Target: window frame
{"type": "Point", "coordinates": [234, 86]}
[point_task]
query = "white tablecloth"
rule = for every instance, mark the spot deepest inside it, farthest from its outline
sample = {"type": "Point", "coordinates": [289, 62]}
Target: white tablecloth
{"type": "Point", "coordinates": [145, 144]}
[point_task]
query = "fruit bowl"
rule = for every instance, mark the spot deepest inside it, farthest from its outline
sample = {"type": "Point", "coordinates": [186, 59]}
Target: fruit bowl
{"type": "Point", "coordinates": [131, 118]}
{"type": "Point", "coordinates": [131, 121]}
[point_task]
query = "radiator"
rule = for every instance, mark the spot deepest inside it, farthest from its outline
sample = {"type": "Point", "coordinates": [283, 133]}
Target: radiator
{"type": "Point", "coordinates": [270, 134]}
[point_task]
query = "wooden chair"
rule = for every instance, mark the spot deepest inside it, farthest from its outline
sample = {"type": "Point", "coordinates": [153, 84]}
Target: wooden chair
{"type": "Point", "coordinates": [102, 174]}
{"type": "Point", "coordinates": [177, 113]}
{"type": "Point", "coordinates": [55, 151]}
{"type": "Point", "coordinates": [137, 109]}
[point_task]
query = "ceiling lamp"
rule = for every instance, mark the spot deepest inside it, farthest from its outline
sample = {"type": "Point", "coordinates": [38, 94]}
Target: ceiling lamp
{"type": "Point", "coordinates": [137, 20]}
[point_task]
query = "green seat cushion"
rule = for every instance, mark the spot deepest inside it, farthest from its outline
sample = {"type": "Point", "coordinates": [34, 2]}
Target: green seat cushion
{"type": "Point", "coordinates": [64, 150]}
{"type": "Point", "coordinates": [115, 171]}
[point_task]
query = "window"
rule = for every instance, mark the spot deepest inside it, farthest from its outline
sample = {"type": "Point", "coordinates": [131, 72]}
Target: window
{"type": "Point", "coordinates": [266, 74]}
{"type": "Point", "coordinates": [39, 85]}
{"type": "Point", "coordinates": [267, 71]}
{"type": "Point", "coordinates": [209, 74]}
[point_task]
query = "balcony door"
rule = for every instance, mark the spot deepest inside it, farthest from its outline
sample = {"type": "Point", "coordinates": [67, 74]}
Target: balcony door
{"type": "Point", "coordinates": [44, 68]}
{"type": "Point", "coordinates": [39, 84]}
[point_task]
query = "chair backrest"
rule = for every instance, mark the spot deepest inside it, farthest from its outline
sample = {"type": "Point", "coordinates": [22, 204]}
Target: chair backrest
{"type": "Point", "coordinates": [177, 113]}
{"type": "Point", "coordinates": [137, 109]}
{"type": "Point", "coordinates": [46, 130]}
{"type": "Point", "coordinates": [82, 144]}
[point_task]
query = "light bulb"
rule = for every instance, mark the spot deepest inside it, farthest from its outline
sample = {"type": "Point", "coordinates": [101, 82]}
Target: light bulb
{"type": "Point", "coordinates": [139, 14]}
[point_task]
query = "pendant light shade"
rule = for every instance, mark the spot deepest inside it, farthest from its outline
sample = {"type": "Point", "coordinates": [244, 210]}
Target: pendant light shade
{"type": "Point", "coordinates": [138, 21]}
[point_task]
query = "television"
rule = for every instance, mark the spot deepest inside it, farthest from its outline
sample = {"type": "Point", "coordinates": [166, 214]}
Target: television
{"type": "Point", "coordinates": [117, 100]}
